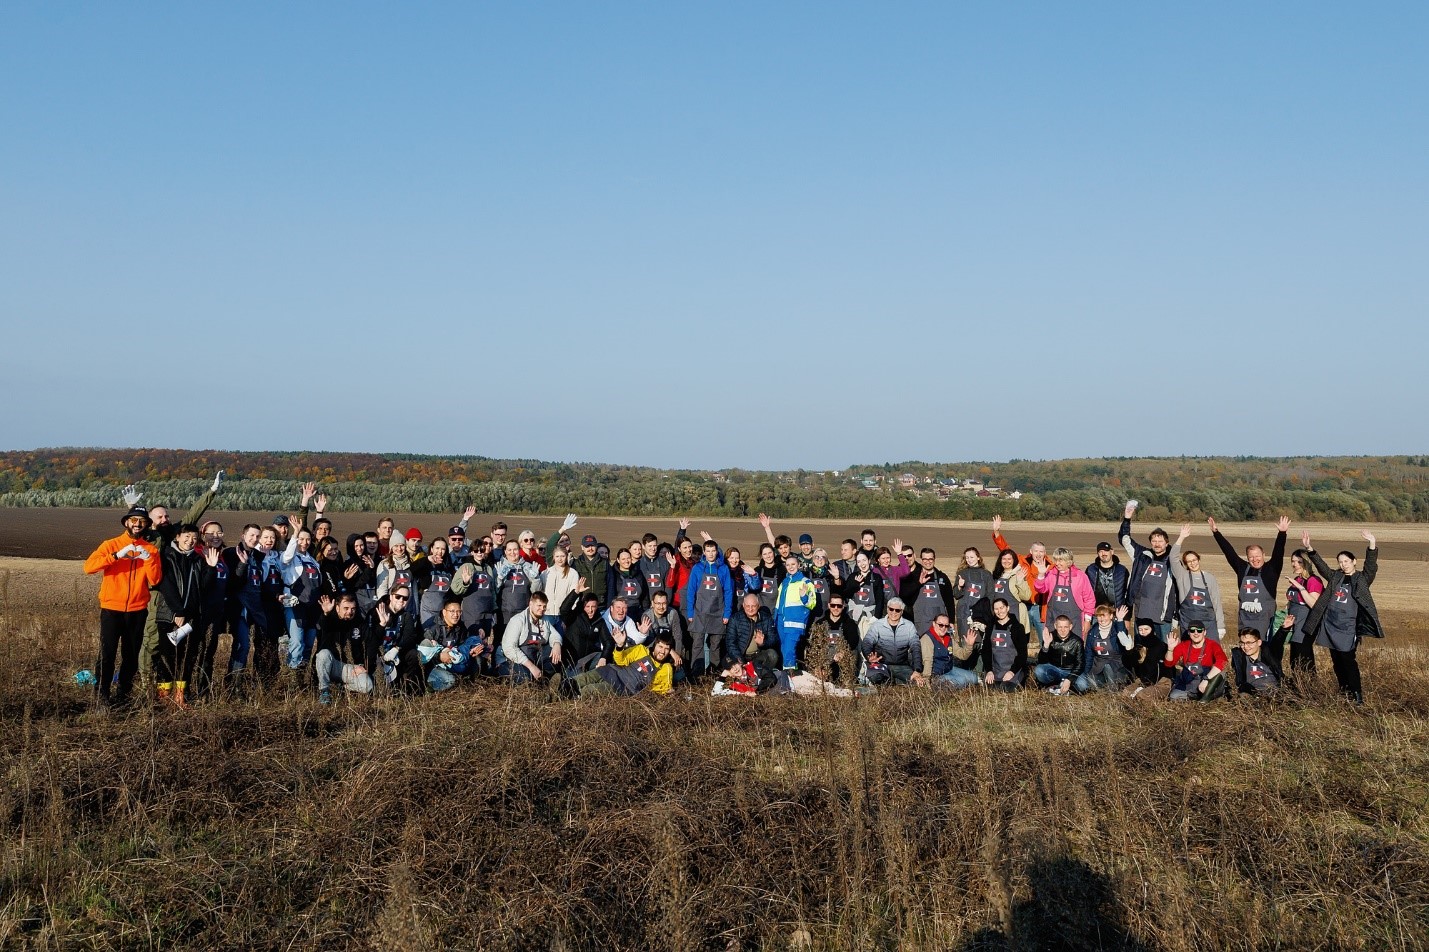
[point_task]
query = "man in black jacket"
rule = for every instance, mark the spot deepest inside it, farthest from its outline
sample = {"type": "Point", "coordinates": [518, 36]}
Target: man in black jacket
{"type": "Point", "coordinates": [347, 648]}
{"type": "Point", "coordinates": [927, 591]}
{"type": "Point", "coordinates": [399, 635]}
{"type": "Point", "coordinates": [1256, 674]}
{"type": "Point", "coordinates": [751, 635]}
{"type": "Point", "coordinates": [1110, 579]}
{"type": "Point", "coordinates": [587, 638]}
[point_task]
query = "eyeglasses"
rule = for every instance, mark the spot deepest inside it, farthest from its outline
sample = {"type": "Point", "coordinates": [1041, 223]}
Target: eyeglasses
{"type": "Point", "coordinates": [397, 598]}
{"type": "Point", "coordinates": [836, 604]}
{"type": "Point", "coordinates": [527, 540]}
{"type": "Point", "coordinates": [936, 624]}
{"type": "Point", "coordinates": [892, 610]}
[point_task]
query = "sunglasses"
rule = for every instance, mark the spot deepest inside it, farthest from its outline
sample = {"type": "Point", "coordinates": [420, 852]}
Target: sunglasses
{"type": "Point", "coordinates": [397, 598]}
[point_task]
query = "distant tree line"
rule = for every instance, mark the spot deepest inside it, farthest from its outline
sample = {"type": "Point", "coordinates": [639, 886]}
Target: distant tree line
{"type": "Point", "coordinates": [1383, 489]}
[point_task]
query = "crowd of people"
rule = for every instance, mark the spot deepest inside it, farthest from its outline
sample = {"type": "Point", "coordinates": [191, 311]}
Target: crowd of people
{"type": "Point", "coordinates": [387, 611]}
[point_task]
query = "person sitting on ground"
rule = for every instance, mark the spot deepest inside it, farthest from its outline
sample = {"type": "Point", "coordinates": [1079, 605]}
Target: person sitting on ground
{"type": "Point", "coordinates": [1199, 664]}
{"type": "Point", "coordinates": [831, 650]}
{"type": "Point", "coordinates": [1102, 669]}
{"type": "Point", "coordinates": [450, 649]}
{"type": "Point", "coordinates": [633, 668]}
{"type": "Point", "coordinates": [1143, 659]}
{"type": "Point", "coordinates": [531, 645]}
{"type": "Point", "coordinates": [936, 647]}
{"type": "Point", "coordinates": [1004, 649]}
{"type": "Point", "coordinates": [666, 621]}
{"type": "Point", "coordinates": [1256, 673]}
{"type": "Point", "coordinates": [751, 635]}
{"type": "Point", "coordinates": [347, 648]}
{"type": "Point", "coordinates": [892, 650]}
{"type": "Point", "coordinates": [399, 635]}
{"type": "Point", "coordinates": [1062, 658]}
{"type": "Point", "coordinates": [586, 639]}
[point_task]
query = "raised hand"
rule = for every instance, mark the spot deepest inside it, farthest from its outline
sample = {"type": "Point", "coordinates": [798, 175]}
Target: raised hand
{"type": "Point", "coordinates": [705, 536]}
{"type": "Point", "coordinates": [581, 584]}
{"type": "Point", "coordinates": [326, 603]}
{"type": "Point", "coordinates": [1282, 524]}
{"type": "Point", "coordinates": [569, 523]}
{"type": "Point", "coordinates": [1185, 533]}
{"type": "Point", "coordinates": [242, 553]}
{"type": "Point", "coordinates": [1305, 539]}
{"type": "Point", "coordinates": [322, 503]}
{"type": "Point", "coordinates": [1210, 521]}
{"type": "Point", "coordinates": [997, 524]}
{"type": "Point", "coordinates": [1368, 537]}
{"type": "Point", "coordinates": [644, 626]}
{"type": "Point", "coordinates": [351, 570]}
{"type": "Point", "coordinates": [211, 555]}
{"type": "Point", "coordinates": [217, 480]}
{"type": "Point", "coordinates": [898, 545]}
{"type": "Point", "coordinates": [131, 496]}
{"type": "Point", "coordinates": [1173, 638]}
{"type": "Point", "coordinates": [468, 512]}
{"type": "Point", "coordinates": [1121, 612]}
{"type": "Point", "coordinates": [1129, 511]}
{"type": "Point", "coordinates": [383, 615]}
{"type": "Point", "coordinates": [309, 491]}
{"type": "Point", "coordinates": [764, 520]}
{"type": "Point", "coordinates": [684, 523]}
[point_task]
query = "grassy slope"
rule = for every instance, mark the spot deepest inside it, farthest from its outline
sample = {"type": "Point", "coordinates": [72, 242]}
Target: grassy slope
{"type": "Point", "coordinates": [493, 819]}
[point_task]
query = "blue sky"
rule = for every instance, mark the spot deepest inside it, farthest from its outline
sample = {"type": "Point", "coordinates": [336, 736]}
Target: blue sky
{"type": "Point", "coordinates": [711, 235]}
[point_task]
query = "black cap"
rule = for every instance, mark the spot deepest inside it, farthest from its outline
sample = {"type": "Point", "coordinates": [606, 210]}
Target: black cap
{"type": "Point", "coordinates": [457, 531]}
{"type": "Point", "coordinates": [1103, 546]}
{"type": "Point", "coordinates": [139, 511]}
{"type": "Point", "coordinates": [280, 520]}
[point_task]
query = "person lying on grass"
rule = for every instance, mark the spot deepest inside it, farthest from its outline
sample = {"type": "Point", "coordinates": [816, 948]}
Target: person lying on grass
{"type": "Point", "coordinates": [634, 668]}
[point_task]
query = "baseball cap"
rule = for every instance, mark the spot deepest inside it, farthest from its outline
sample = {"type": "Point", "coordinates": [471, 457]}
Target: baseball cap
{"type": "Point", "coordinates": [457, 531]}
{"type": "Point", "coordinates": [806, 539]}
{"type": "Point", "coordinates": [588, 540]}
{"type": "Point", "coordinates": [1103, 546]}
{"type": "Point", "coordinates": [1196, 626]}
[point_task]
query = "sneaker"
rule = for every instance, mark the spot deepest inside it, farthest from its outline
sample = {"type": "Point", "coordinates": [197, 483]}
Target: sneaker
{"type": "Point", "coordinates": [1055, 690]}
{"type": "Point", "coordinates": [325, 696]}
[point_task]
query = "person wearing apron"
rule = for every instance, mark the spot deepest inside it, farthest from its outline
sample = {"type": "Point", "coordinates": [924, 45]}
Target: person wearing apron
{"type": "Point", "coordinates": [710, 597]}
{"type": "Point", "coordinates": [437, 585]}
{"type": "Point", "coordinates": [972, 586]}
{"type": "Point", "coordinates": [1106, 640]}
{"type": "Point", "coordinates": [1198, 590]}
{"type": "Point", "coordinates": [1346, 612]}
{"type": "Point", "coordinates": [1255, 674]}
{"type": "Point", "coordinates": [1256, 580]}
{"type": "Point", "coordinates": [1202, 663]}
{"type": "Point", "coordinates": [1303, 589]}
{"type": "Point", "coordinates": [928, 591]}
{"type": "Point", "coordinates": [1004, 650]}
{"type": "Point", "coordinates": [864, 588]}
{"type": "Point", "coordinates": [514, 580]}
{"type": "Point", "coordinates": [531, 646]}
{"type": "Point", "coordinates": [770, 574]}
{"type": "Point", "coordinates": [1069, 592]}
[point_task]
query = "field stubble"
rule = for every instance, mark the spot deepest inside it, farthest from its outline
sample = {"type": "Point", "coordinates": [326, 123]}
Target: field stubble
{"type": "Point", "coordinates": [494, 819]}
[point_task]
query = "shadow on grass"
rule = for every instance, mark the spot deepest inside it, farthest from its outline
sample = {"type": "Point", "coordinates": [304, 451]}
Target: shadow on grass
{"type": "Point", "coordinates": [1070, 908]}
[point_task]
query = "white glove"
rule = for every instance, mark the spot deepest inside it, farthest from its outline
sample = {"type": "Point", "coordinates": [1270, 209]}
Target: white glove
{"type": "Point", "coordinates": [217, 479]}
{"type": "Point", "coordinates": [132, 496]}
{"type": "Point", "coordinates": [127, 552]}
{"type": "Point", "coordinates": [179, 634]}
{"type": "Point", "coordinates": [140, 553]}
{"type": "Point", "coordinates": [570, 522]}
{"type": "Point", "coordinates": [391, 656]}
{"type": "Point", "coordinates": [1252, 608]}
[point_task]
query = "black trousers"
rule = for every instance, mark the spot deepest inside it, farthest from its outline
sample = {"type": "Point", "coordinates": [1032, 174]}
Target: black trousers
{"type": "Point", "coordinates": [121, 633]}
{"type": "Point", "coordinates": [1302, 655]}
{"type": "Point", "coordinates": [1347, 672]}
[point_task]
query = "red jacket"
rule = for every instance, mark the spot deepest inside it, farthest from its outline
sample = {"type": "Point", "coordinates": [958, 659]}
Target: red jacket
{"type": "Point", "coordinates": [126, 583]}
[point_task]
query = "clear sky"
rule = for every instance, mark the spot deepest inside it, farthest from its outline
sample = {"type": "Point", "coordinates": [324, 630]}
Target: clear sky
{"type": "Point", "coordinates": [720, 234]}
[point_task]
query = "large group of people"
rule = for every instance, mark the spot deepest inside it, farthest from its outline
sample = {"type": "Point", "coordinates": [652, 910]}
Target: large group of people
{"type": "Point", "coordinates": [384, 611]}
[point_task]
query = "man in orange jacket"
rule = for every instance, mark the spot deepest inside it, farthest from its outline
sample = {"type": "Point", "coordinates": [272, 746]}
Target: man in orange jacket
{"type": "Point", "coordinates": [130, 565]}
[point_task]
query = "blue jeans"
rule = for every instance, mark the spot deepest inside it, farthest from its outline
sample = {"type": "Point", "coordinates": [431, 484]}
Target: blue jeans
{"type": "Point", "coordinates": [238, 651]}
{"type": "Point", "coordinates": [958, 678]}
{"type": "Point", "coordinates": [1110, 678]}
{"type": "Point", "coordinates": [1048, 675]}
{"type": "Point", "coordinates": [440, 679]}
{"type": "Point", "coordinates": [300, 639]}
{"type": "Point", "coordinates": [1034, 618]}
{"type": "Point", "coordinates": [1162, 630]}
{"type": "Point", "coordinates": [520, 675]}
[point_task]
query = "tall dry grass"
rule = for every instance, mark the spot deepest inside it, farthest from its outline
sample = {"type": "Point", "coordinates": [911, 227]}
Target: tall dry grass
{"type": "Point", "coordinates": [496, 819]}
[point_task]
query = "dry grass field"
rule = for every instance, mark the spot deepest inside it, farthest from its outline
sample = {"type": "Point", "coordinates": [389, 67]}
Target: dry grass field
{"type": "Point", "coordinates": [496, 818]}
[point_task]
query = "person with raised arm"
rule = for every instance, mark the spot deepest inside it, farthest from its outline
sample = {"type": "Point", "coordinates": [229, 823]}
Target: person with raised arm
{"type": "Point", "coordinates": [1256, 580]}
{"type": "Point", "coordinates": [1198, 665]}
{"type": "Point", "coordinates": [1303, 589]}
{"type": "Point", "coordinates": [1346, 612]}
{"type": "Point", "coordinates": [1153, 588]}
{"type": "Point", "coordinates": [1034, 563]}
{"type": "Point", "coordinates": [1198, 590]}
{"type": "Point", "coordinates": [1068, 590]}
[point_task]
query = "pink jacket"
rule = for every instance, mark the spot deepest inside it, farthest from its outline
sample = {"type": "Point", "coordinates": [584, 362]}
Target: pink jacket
{"type": "Point", "coordinates": [1082, 593]}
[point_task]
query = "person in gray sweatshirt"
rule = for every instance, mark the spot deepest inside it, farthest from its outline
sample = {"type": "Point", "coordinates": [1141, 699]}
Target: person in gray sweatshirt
{"type": "Point", "coordinates": [892, 648]}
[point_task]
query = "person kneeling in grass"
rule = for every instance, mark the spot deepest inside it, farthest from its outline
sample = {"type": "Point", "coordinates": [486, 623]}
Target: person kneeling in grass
{"type": "Point", "coordinates": [1256, 673]}
{"type": "Point", "coordinates": [1199, 662]}
{"type": "Point", "coordinates": [1004, 651]}
{"type": "Point", "coordinates": [1062, 657]}
{"type": "Point", "coordinates": [1106, 639]}
{"type": "Point", "coordinates": [634, 668]}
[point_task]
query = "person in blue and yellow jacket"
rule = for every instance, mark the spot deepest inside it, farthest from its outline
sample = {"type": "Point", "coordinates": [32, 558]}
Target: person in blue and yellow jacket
{"type": "Point", "coordinates": [793, 605]}
{"type": "Point", "coordinates": [131, 566]}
